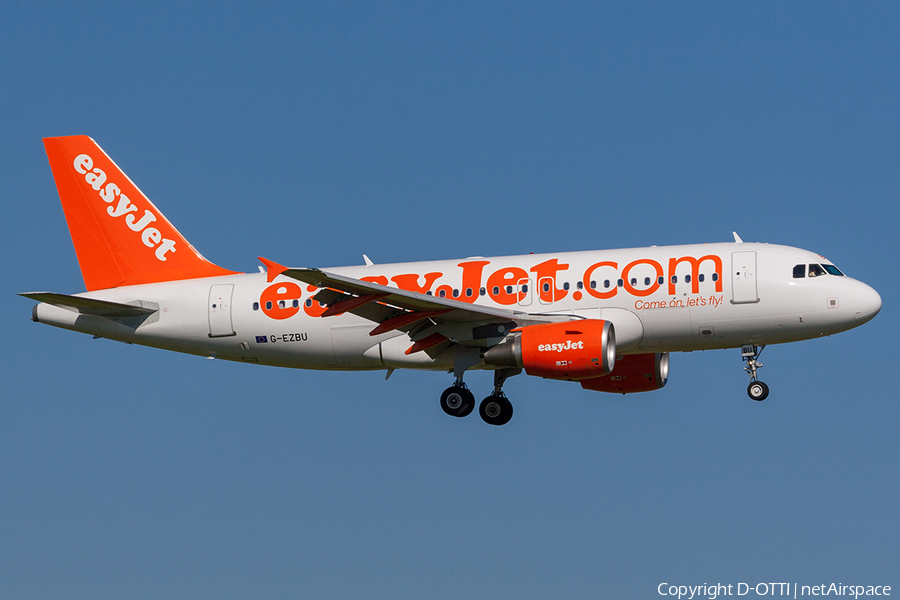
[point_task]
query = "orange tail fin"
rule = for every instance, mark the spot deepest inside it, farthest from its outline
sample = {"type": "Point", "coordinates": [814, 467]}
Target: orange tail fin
{"type": "Point", "coordinates": [120, 238]}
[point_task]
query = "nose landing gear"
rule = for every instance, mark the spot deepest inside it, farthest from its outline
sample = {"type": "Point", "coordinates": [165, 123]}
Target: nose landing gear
{"type": "Point", "coordinates": [757, 390]}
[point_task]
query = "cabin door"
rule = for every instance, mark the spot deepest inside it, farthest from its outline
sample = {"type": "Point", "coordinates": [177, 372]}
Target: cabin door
{"type": "Point", "coordinates": [743, 278]}
{"type": "Point", "coordinates": [220, 310]}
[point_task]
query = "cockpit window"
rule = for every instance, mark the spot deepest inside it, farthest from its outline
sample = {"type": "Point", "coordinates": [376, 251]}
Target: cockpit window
{"type": "Point", "coordinates": [833, 270]}
{"type": "Point", "coordinates": [799, 271]}
{"type": "Point", "coordinates": [816, 270]}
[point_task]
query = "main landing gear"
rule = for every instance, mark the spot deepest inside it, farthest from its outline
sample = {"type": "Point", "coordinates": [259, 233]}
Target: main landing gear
{"type": "Point", "coordinates": [496, 409]}
{"type": "Point", "coordinates": [457, 400]}
{"type": "Point", "coordinates": [757, 390]}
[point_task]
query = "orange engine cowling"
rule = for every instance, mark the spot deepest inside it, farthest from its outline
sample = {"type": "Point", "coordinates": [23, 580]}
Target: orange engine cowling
{"type": "Point", "coordinates": [571, 350]}
{"type": "Point", "coordinates": [633, 373]}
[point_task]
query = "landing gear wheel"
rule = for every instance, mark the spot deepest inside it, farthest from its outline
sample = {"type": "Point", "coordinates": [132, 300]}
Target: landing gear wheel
{"type": "Point", "coordinates": [758, 391]}
{"type": "Point", "coordinates": [457, 401]}
{"type": "Point", "coordinates": [496, 410]}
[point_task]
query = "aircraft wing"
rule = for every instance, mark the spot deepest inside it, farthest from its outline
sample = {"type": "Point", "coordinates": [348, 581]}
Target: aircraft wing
{"type": "Point", "coordinates": [429, 320]}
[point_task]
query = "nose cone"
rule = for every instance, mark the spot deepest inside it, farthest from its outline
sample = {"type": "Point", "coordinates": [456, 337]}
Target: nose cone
{"type": "Point", "coordinates": [866, 303]}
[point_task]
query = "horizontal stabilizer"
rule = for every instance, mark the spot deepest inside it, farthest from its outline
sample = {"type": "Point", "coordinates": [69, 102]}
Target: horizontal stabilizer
{"type": "Point", "coordinates": [91, 306]}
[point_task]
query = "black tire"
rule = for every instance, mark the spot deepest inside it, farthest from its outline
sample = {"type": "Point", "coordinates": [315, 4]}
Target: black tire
{"type": "Point", "coordinates": [457, 401]}
{"type": "Point", "coordinates": [468, 406]}
{"type": "Point", "coordinates": [758, 391]}
{"type": "Point", "coordinates": [496, 410]}
{"type": "Point", "coordinates": [507, 413]}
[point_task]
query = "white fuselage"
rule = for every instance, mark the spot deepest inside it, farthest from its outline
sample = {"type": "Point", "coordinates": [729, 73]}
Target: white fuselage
{"type": "Point", "coordinates": [660, 299]}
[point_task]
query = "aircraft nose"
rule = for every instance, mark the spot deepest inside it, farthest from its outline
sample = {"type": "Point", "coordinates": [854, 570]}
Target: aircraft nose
{"type": "Point", "coordinates": [866, 302]}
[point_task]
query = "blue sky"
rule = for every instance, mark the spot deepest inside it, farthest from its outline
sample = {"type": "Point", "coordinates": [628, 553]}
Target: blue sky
{"type": "Point", "coordinates": [314, 134]}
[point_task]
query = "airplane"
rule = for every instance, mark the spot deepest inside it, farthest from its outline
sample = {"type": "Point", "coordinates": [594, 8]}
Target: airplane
{"type": "Point", "coordinates": [606, 319]}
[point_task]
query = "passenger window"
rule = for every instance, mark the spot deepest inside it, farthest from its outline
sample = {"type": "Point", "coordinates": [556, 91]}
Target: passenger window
{"type": "Point", "coordinates": [308, 302]}
{"type": "Point", "coordinates": [442, 293]}
{"type": "Point", "coordinates": [456, 293]}
{"type": "Point", "coordinates": [509, 289]}
{"type": "Point", "coordinates": [468, 292]}
{"type": "Point", "coordinates": [606, 283]}
{"type": "Point", "coordinates": [281, 303]}
{"type": "Point", "coordinates": [566, 285]}
{"type": "Point", "coordinates": [256, 306]}
{"type": "Point", "coordinates": [525, 289]}
{"type": "Point", "coordinates": [660, 280]}
{"type": "Point", "coordinates": [594, 285]}
{"type": "Point", "coordinates": [483, 292]}
{"type": "Point", "coordinates": [546, 287]}
{"type": "Point", "coordinates": [816, 270]}
{"type": "Point", "coordinates": [715, 276]}
{"type": "Point", "coordinates": [579, 285]}
{"type": "Point", "coordinates": [296, 304]}
{"type": "Point", "coordinates": [269, 305]}
{"type": "Point", "coordinates": [620, 283]}
{"type": "Point", "coordinates": [646, 281]}
{"type": "Point", "coordinates": [674, 278]}
{"type": "Point", "coordinates": [687, 278]}
{"type": "Point", "coordinates": [496, 290]}
{"type": "Point", "coordinates": [701, 277]}
{"type": "Point", "coordinates": [799, 271]}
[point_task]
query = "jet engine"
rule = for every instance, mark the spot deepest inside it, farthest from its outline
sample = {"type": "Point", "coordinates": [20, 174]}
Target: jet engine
{"type": "Point", "coordinates": [633, 373]}
{"type": "Point", "coordinates": [571, 350]}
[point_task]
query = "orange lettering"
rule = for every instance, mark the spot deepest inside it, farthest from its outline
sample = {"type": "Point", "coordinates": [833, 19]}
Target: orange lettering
{"type": "Point", "coordinates": [509, 276]}
{"type": "Point", "coordinates": [471, 279]}
{"type": "Point", "coordinates": [549, 269]}
{"type": "Point", "coordinates": [444, 291]}
{"type": "Point", "coordinates": [277, 293]}
{"type": "Point", "coordinates": [653, 287]}
{"type": "Point", "coordinates": [587, 280]}
{"type": "Point", "coordinates": [695, 271]}
{"type": "Point", "coordinates": [410, 282]}
{"type": "Point", "coordinates": [311, 307]}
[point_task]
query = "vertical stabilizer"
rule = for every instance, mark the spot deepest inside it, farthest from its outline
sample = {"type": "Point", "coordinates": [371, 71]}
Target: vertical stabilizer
{"type": "Point", "coordinates": [120, 238]}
